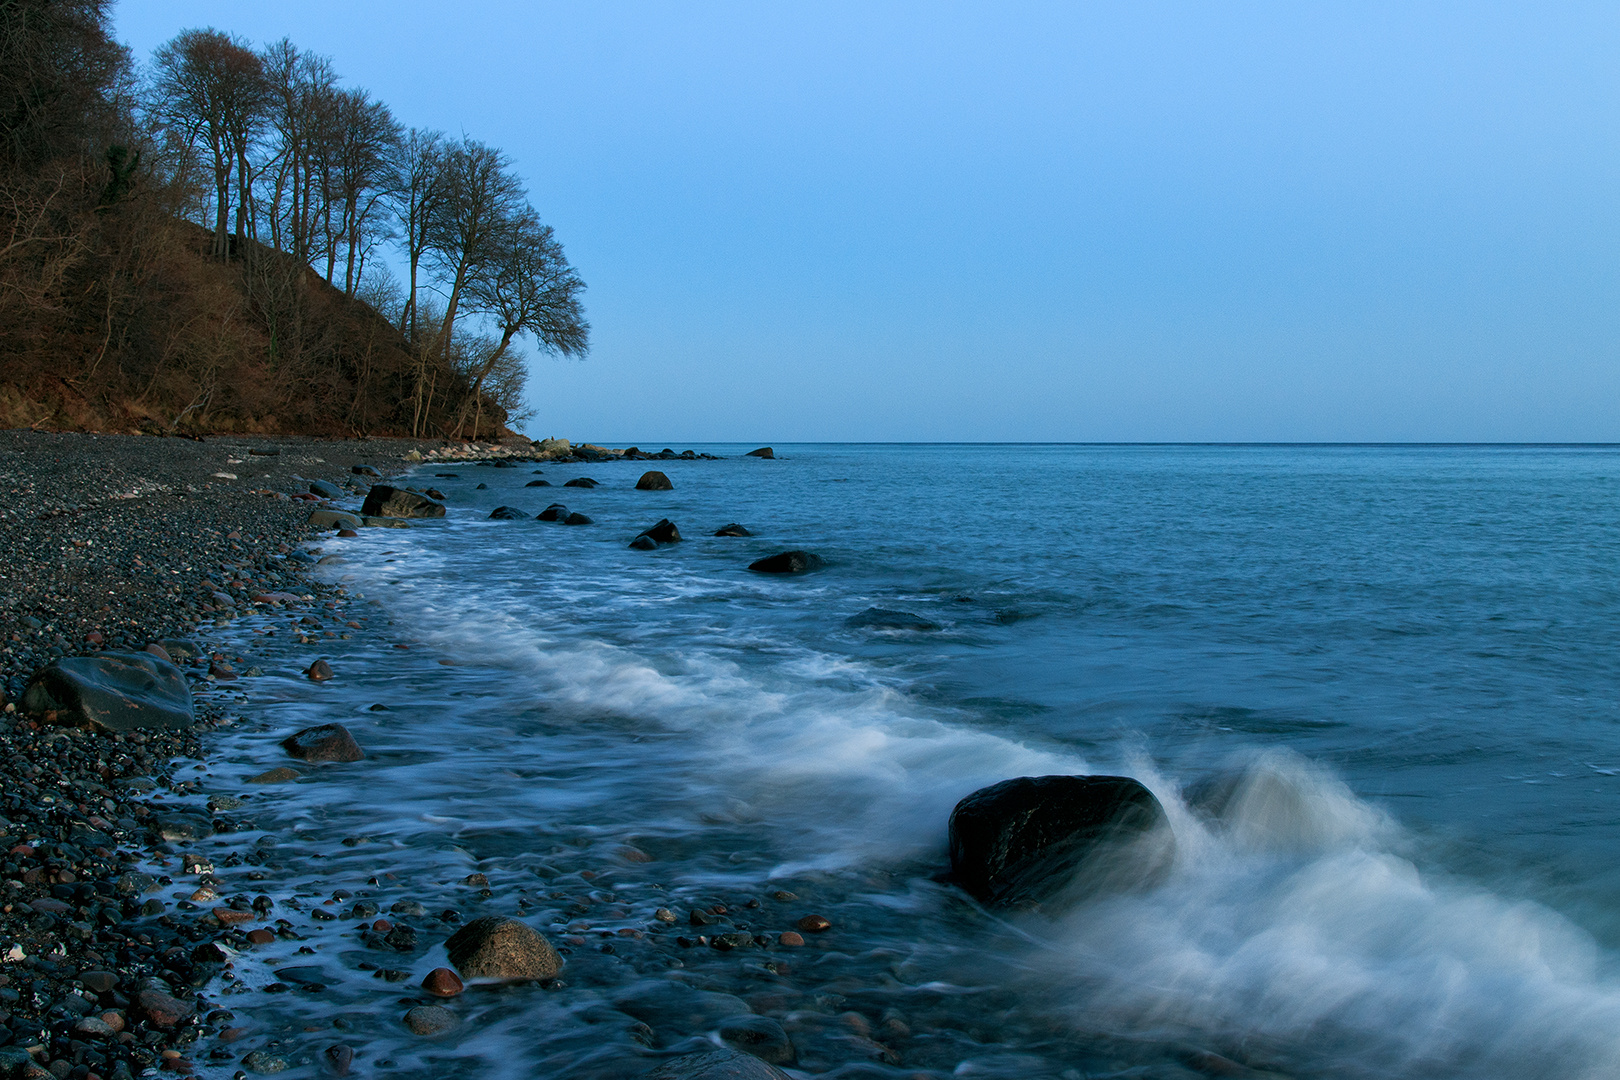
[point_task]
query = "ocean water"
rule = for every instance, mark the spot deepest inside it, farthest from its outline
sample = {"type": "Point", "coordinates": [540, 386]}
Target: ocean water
{"type": "Point", "coordinates": [1407, 652]}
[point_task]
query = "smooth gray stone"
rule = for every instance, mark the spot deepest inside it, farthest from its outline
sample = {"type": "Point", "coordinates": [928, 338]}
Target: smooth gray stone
{"type": "Point", "coordinates": [115, 692]}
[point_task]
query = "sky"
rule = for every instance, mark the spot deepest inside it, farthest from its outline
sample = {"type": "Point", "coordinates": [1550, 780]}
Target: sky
{"type": "Point", "coordinates": [1082, 221]}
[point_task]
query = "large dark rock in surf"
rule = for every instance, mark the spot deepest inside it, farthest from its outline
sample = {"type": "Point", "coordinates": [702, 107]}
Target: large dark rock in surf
{"type": "Point", "coordinates": [664, 532]}
{"type": "Point", "coordinates": [644, 543]}
{"type": "Point", "coordinates": [654, 481]}
{"type": "Point", "coordinates": [495, 947]}
{"type": "Point", "coordinates": [788, 562]}
{"type": "Point", "coordinates": [577, 518]}
{"type": "Point", "coordinates": [733, 529]}
{"type": "Point", "coordinates": [508, 513]}
{"type": "Point", "coordinates": [554, 512]}
{"type": "Point", "coordinates": [1049, 841]}
{"type": "Point", "coordinates": [883, 619]}
{"type": "Point", "coordinates": [538, 483]}
{"type": "Point", "coordinates": [114, 692]}
{"type": "Point", "coordinates": [325, 742]}
{"type": "Point", "coordinates": [385, 501]}
{"type": "Point", "coordinates": [581, 482]}
{"type": "Point", "coordinates": [717, 1065]}
{"type": "Point", "coordinates": [762, 452]}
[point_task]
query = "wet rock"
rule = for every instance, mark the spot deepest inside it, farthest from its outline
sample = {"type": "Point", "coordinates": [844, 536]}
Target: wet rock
{"type": "Point", "coordinates": [363, 470]}
{"type": "Point", "coordinates": [319, 671]}
{"type": "Point", "coordinates": [644, 543]}
{"type": "Point", "coordinates": [790, 940]}
{"type": "Point", "coordinates": [733, 529]}
{"type": "Point", "coordinates": [325, 490]}
{"type": "Point", "coordinates": [113, 692]}
{"type": "Point", "coordinates": [577, 518]}
{"type": "Point", "coordinates": [814, 924]}
{"type": "Point", "coordinates": [554, 512]}
{"type": "Point", "coordinates": [385, 501]}
{"type": "Point", "coordinates": [788, 562]}
{"type": "Point", "coordinates": [538, 483]}
{"type": "Point", "coordinates": [279, 775]}
{"type": "Point", "coordinates": [762, 452]}
{"type": "Point", "coordinates": [162, 1010]}
{"type": "Point", "coordinates": [494, 947]}
{"type": "Point", "coordinates": [677, 1006]}
{"type": "Point", "coordinates": [98, 981]}
{"type": "Point", "coordinates": [442, 982]}
{"type": "Point", "coordinates": [370, 522]}
{"type": "Point", "coordinates": [340, 1058]}
{"type": "Point", "coordinates": [884, 619]}
{"type": "Point", "coordinates": [334, 519]}
{"type": "Point", "coordinates": [664, 532]}
{"type": "Point", "coordinates": [717, 1065]}
{"type": "Point", "coordinates": [507, 513]}
{"type": "Point", "coordinates": [581, 482]}
{"type": "Point", "coordinates": [654, 481]}
{"type": "Point", "coordinates": [430, 1020]}
{"type": "Point", "coordinates": [1052, 840]}
{"type": "Point", "coordinates": [326, 742]}
{"type": "Point", "coordinates": [760, 1036]}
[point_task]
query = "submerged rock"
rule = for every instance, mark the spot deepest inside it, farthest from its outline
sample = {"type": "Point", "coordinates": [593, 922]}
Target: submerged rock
{"type": "Point", "coordinates": [114, 692]}
{"type": "Point", "coordinates": [1052, 840]}
{"type": "Point", "coordinates": [788, 562]}
{"type": "Point", "coordinates": [884, 619]}
{"type": "Point", "coordinates": [494, 947]}
{"type": "Point", "coordinates": [385, 501]}
{"type": "Point", "coordinates": [733, 529]}
{"type": "Point", "coordinates": [508, 513]}
{"type": "Point", "coordinates": [429, 1020]}
{"type": "Point", "coordinates": [581, 482]}
{"type": "Point", "coordinates": [576, 518]}
{"type": "Point", "coordinates": [538, 483]}
{"type": "Point", "coordinates": [717, 1065]}
{"type": "Point", "coordinates": [654, 481]}
{"type": "Point", "coordinates": [326, 742]}
{"type": "Point", "coordinates": [760, 1036]}
{"type": "Point", "coordinates": [554, 512]}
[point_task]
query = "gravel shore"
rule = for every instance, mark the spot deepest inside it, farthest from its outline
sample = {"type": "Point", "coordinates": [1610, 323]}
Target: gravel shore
{"type": "Point", "coordinates": [112, 542]}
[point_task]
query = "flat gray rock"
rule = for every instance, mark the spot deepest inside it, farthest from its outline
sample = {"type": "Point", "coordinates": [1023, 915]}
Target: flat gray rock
{"type": "Point", "coordinates": [114, 692]}
{"type": "Point", "coordinates": [333, 519]}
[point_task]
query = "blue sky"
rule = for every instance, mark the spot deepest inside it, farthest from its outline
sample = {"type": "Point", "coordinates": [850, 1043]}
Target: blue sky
{"type": "Point", "coordinates": [1046, 221]}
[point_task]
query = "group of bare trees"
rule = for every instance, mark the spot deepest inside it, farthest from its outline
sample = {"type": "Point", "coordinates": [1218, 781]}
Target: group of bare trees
{"type": "Point", "coordinates": [284, 159]}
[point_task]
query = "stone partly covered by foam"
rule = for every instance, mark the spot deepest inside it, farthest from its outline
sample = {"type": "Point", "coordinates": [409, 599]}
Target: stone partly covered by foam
{"type": "Point", "coordinates": [494, 947]}
{"type": "Point", "coordinates": [113, 692]}
{"type": "Point", "coordinates": [1049, 841]}
{"type": "Point", "coordinates": [326, 742]}
{"type": "Point", "coordinates": [385, 501]}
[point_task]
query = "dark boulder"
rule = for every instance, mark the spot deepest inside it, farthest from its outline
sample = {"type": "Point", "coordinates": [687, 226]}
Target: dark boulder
{"type": "Point", "coordinates": [508, 513]}
{"type": "Point", "coordinates": [733, 529]}
{"type": "Point", "coordinates": [884, 619]}
{"type": "Point", "coordinates": [495, 947]}
{"type": "Point", "coordinates": [113, 692]}
{"type": "Point", "coordinates": [664, 532]}
{"type": "Point", "coordinates": [325, 490]}
{"type": "Point", "coordinates": [788, 562]}
{"type": "Point", "coordinates": [333, 519]}
{"type": "Point", "coordinates": [538, 483]}
{"type": "Point", "coordinates": [554, 512]}
{"type": "Point", "coordinates": [481, 487]}
{"type": "Point", "coordinates": [385, 501]}
{"type": "Point", "coordinates": [434, 493]}
{"type": "Point", "coordinates": [581, 481]}
{"type": "Point", "coordinates": [1052, 840]}
{"type": "Point", "coordinates": [762, 452]}
{"type": "Point", "coordinates": [654, 481]}
{"type": "Point", "coordinates": [717, 1065]}
{"type": "Point", "coordinates": [363, 470]}
{"type": "Point", "coordinates": [327, 742]}
{"type": "Point", "coordinates": [576, 518]}
{"type": "Point", "coordinates": [644, 543]}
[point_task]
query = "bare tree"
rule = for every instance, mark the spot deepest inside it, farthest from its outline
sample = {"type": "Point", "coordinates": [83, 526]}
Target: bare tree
{"type": "Point", "coordinates": [210, 90]}
{"type": "Point", "coordinates": [366, 135]}
{"type": "Point", "coordinates": [480, 198]}
{"type": "Point", "coordinates": [414, 197]}
{"type": "Point", "coordinates": [525, 286]}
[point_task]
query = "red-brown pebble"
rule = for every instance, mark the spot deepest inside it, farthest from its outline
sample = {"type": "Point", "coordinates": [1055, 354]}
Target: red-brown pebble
{"type": "Point", "coordinates": [442, 982]}
{"type": "Point", "coordinates": [261, 936]}
{"type": "Point", "coordinates": [790, 940]}
{"type": "Point", "coordinates": [813, 924]}
{"type": "Point", "coordinates": [319, 671]}
{"type": "Point", "coordinates": [232, 917]}
{"type": "Point", "coordinates": [382, 926]}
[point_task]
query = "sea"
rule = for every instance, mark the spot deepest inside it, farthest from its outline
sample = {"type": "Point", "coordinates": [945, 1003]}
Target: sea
{"type": "Point", "coordinates": [1404, 656]}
